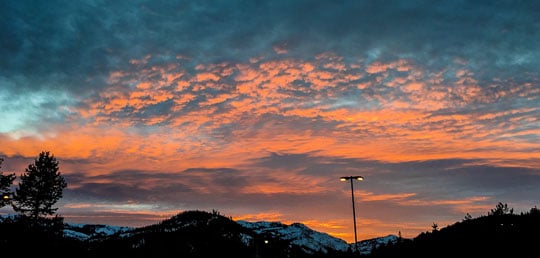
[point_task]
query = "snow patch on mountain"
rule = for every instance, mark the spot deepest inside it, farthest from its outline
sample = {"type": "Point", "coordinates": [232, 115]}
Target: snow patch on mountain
{"type": "Point", "coordinates": [366, 246]}
{"type": "Point", "coordinates": [312, 241]}
{"type": "Point", "coordinates": [85, 232]}
{"type": "Point", "coordinates": [309, 240]}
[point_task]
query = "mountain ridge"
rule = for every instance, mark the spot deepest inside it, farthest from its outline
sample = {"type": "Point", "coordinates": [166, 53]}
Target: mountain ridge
{"type": "Point", "coordinates": [296, 235]}
{"type": "Point", "coordinates": [203, 234]}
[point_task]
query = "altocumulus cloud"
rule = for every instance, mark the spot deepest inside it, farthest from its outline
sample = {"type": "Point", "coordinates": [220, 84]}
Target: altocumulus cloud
{"type": "Point", "coordinates": [56, 46]}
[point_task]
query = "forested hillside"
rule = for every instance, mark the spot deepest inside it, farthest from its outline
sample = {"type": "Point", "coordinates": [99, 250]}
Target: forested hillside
{"type": "Point", "coordinates": [209, 234]}
{"type": "Point", "coordinates": [498, 234]}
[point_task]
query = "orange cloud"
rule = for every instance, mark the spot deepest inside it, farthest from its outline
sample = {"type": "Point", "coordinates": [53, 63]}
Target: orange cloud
{"type": "Point", "coordinates": [369, 197]}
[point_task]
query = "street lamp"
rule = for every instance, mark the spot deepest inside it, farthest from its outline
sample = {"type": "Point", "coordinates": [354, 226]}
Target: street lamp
{"type": "Point", "coordinates": [352, 178]}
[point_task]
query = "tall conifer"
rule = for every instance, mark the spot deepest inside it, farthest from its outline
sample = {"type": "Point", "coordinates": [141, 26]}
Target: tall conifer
{"type": "Point", "coordinates": [41, 186]}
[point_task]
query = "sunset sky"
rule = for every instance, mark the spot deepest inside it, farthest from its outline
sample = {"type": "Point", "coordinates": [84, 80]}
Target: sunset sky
{"type": "Point", "coordinates": [256, 108]}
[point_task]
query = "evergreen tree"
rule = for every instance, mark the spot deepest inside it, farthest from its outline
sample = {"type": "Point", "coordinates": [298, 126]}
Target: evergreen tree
{"type": "Point", "coordinates": [435, 227]}
{"type": "Point", "coordinates": [40, 188]}
{"type": "Point", "coordinates": [501, 209]}
{"type": "Point", "coordinates": [5, 182]}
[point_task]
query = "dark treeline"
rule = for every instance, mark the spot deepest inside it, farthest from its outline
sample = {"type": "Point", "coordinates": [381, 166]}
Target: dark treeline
{"type": "Point", "coordinates": [209, 234]}
{"type": "Point", "coordinates": [501, 233]}
{"type": "Point", "coordinates": [37, 230]}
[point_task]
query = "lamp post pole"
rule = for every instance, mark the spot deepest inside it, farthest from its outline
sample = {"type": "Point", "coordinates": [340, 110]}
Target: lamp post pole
{"type": "Point", "coordinates": [351, 178]}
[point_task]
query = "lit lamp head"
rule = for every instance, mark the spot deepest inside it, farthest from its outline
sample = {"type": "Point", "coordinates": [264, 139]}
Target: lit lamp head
{"type": "Point", "coordinates": [345, 178]}
{"type": "Point", "coordinates": [5, 196]}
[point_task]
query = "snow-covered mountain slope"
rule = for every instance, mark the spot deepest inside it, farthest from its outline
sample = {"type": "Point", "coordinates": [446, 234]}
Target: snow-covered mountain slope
{"type": "Point", "coordinates": [312, 241]}
{"type": "Point", "coordinates": [365, 246]}
{"type": "Point", "coordinates": [85, 232]}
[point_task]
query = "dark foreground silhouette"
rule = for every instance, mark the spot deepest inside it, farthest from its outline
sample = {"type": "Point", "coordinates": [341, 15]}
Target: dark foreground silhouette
{"type": "Point", "coordinates": [499, 234]}
{"type": "Point", "coordinates": [209, 234]}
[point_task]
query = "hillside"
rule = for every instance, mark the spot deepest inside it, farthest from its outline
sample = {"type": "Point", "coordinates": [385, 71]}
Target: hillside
{"type": "Point", "coordinates": [209, 234]}
{"type": "Point", "coordinates": [500, 233]}
{"type": "Point", "coordinates": [204, 234]}
{"type": "Point", "coordinates": [187, 234]}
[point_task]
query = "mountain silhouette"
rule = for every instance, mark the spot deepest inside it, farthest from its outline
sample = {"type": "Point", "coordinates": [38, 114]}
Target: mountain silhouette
{"type": "Point", "coordinates": [498, 234]}
{"type": "Point", "coordinates": [210, 234]}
